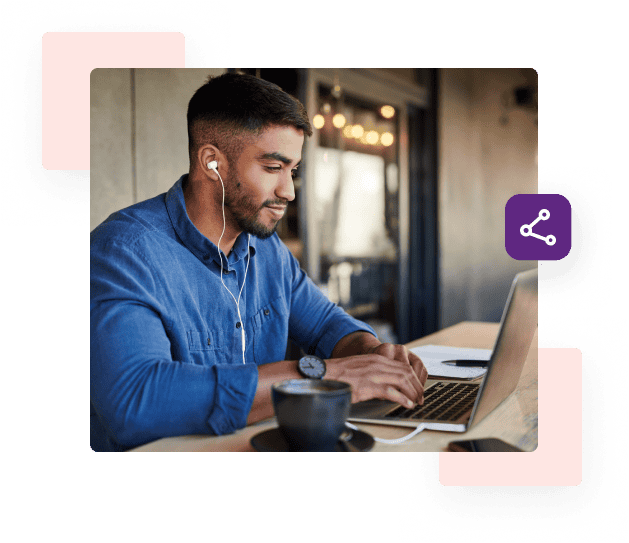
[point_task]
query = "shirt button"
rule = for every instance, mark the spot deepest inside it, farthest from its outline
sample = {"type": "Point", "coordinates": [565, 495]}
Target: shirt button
{"type": "Point", "coordinates": [208, 341]}
{"type": "Point", "coordinates": [237, 325]}
{"type": "Point", "coordinates": [266, 312]}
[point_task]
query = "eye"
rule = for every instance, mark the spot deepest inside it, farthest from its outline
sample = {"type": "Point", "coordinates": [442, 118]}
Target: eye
{"type": "Point", "coordinates": [277, 169]}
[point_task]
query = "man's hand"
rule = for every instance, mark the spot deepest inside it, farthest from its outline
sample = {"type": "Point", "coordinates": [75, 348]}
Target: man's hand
{"type": "Point", "coordinates": [401, 353]}
{"type": "Point", "coordinates": [385, 371]}
{"type": "Point", "coordinates": [374, 369]}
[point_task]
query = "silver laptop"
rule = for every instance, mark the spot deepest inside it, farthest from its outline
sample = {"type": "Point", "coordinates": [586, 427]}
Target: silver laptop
{"type": "Point", "coordinates": [451, 406]}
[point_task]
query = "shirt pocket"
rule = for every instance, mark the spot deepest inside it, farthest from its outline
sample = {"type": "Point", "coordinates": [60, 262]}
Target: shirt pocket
{"type": "Point", "coordinates": [270, 332]}
{"type": "Point", "coordinates": [203, 347]}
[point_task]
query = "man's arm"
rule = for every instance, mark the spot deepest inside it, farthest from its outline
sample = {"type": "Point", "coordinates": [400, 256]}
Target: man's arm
{"type": "Point", "coordinates": [262, 407]}
{"type": "Point", "coordinates": [364, 343]}
{"type": "Point", "coordinates": [374, 369]}
{"type": "Point", "coordinates": [355, 343]}
{"type": "Point", "coordinates": [352, 344]}
{"type": "Point", "coordinates": [138, 389]}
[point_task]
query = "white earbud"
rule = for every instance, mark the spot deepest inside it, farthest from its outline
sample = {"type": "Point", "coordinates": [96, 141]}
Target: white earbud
{"type": "Point", "coordinates": [213, 165]}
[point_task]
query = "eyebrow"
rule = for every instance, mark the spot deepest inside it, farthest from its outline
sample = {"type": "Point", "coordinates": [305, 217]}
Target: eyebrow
{"type": "Point", "coordinates": [277, 156]}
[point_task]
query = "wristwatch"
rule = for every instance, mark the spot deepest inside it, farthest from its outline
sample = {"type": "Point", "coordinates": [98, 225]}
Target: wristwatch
{"type": "Point", "coordinates": [311, 367]}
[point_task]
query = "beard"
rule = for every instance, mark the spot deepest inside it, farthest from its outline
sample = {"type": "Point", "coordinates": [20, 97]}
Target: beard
{"type": "Point", "coordinates": [245, 211]}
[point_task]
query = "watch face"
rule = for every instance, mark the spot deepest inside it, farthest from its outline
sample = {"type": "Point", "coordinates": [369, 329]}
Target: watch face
{"type": "Point", "coordinates": [312, 367]}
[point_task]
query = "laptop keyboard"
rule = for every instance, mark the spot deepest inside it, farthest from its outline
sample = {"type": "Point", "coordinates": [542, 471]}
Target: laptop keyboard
{"type": "Point", "coordinates": [444, 402]}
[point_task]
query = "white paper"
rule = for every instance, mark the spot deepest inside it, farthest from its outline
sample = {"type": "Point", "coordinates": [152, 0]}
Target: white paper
{"type": "Point", "coordinates": [433, 357]}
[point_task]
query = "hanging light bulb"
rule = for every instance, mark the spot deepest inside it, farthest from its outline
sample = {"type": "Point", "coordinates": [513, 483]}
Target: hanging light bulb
{"type": "Point", "coordinates": [387, 111]}
{"type": "Point", "coordinates": [318, 121]}
{"type": "Point", "coordinates": [357, 131]}
{"type": "Point", "coordinates": [372, 137]}
{"type": "Point", "coordinates": [386, 139]}
{"type": "Point", "coordinates": [338, 120]}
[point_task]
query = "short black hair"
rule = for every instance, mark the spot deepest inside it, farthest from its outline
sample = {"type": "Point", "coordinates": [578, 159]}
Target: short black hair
{"type": "Point", "coordinates": [232, 108]}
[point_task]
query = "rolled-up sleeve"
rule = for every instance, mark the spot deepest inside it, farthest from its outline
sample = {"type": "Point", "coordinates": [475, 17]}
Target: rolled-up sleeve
{"type": "Point", "coordinates": [316, 323]}
{"type": "Point", "coordinates": [139, 393]}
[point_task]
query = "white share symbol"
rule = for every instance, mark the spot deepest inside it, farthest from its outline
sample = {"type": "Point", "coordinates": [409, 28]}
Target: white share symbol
{"type": "Point", "coordinates": [527, 229]}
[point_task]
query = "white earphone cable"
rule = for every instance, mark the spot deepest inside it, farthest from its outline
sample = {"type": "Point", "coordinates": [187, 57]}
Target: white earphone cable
{"type": "Point", "coordinates": [237, 302]}
{"type": "Point", "coordinates": [397, 441]}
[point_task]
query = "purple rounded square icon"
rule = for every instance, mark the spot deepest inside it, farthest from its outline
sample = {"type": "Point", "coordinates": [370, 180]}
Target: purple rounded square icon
{"type": "Point", "coordinates": [538, 227]}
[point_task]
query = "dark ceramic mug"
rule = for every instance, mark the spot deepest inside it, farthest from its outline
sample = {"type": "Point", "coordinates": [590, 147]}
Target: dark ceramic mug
{"type": "Point", "coordinates": [311, 413]}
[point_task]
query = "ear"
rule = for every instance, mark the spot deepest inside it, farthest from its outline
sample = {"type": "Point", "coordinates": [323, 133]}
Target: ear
{"type": "Point", "coordinates": [209, 153]}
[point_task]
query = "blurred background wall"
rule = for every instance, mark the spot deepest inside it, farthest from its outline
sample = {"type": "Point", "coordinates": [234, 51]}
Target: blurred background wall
{"type": "Point", "coordinates": [139, 139]}
{"type": "Point", "coordinates": [463, 142]}
{"type": "Point", "coordinates": [487, 153]}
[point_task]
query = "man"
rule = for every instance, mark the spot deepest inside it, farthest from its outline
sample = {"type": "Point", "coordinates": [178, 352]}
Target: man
{"type": "Point", "coordinates": [193, 295]}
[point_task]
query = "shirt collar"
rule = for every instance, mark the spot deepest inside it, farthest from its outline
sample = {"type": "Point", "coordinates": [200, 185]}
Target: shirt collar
{"type": "Point", "coordinates": [196, 242]}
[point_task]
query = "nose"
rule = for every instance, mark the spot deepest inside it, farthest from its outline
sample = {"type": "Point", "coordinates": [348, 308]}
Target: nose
{"type": "Point", "coordinates": [286, 187]}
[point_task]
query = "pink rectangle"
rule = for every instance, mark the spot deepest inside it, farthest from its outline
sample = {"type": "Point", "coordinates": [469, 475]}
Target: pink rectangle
{"type": "Point", "coordinates": [67, 60]}
{"type": "Point", "coordinates": [558, 457]}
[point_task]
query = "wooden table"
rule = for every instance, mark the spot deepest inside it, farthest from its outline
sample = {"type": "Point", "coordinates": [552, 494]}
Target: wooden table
{"type": "Point", "coordinates": [514, 420]}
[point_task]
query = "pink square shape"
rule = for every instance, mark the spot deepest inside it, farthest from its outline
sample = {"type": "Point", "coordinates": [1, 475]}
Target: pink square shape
{"type": "Point", "coordinates": [67, 60]}
{"type": "Point", "coordinates": [558, 458]}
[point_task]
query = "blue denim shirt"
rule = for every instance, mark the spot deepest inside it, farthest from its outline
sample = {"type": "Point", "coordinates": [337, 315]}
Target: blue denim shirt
{"type": "Point", "coordinates": [166, 355]}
